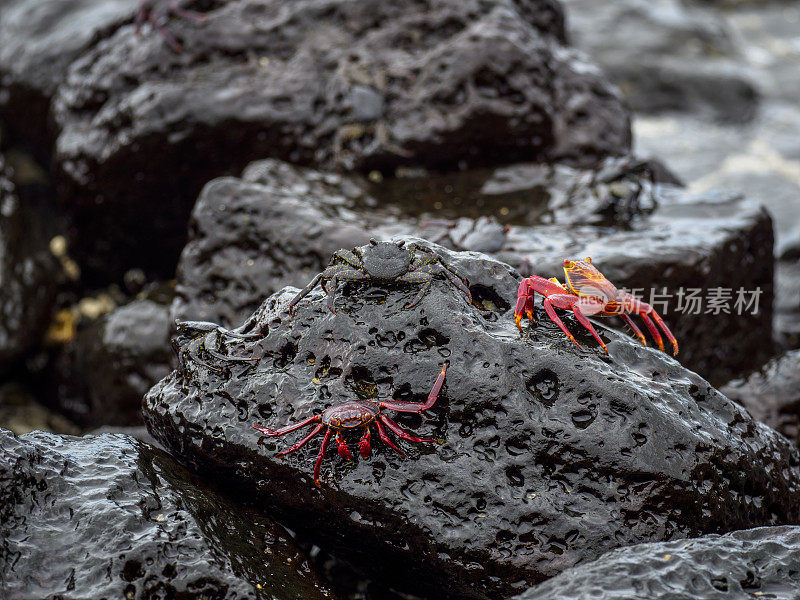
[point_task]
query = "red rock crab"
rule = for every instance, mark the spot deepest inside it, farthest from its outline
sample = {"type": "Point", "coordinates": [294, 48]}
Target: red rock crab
{"type": "Point", "coordinates": [358, 414]}
{"type": "Point", "coordinates": [587, 293]}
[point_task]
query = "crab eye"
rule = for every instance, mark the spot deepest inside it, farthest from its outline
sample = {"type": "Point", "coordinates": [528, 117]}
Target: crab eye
{"type": "Point", "coordinates": [588, 259]}
{"type": "Point", "coordinates": [373, 241]}
{"type": "Point", "coordinates": [568, 264]}
{"type": "Point", "coordinates": [401, 243]}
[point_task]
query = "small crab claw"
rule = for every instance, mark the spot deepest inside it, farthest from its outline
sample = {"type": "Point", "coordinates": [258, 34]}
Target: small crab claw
{"type": "Point", "coordinates": [364, 445]}
{"type": "Point", "coordinates": [344, 451]}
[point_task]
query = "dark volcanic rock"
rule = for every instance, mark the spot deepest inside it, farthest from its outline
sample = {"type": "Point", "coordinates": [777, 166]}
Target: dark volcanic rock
{"type": "Point", "coordinates": [249, 237]}
{"type": "Point", "coordinates": [364, 85]}
{"type": "Point", "coordinates": [757, 563]}
{"type": "Point", "coordinates": [550, 455]}
{"type": "Point", "coordinates": [772, 394]}
{"type": "Point", "coordinates": [666, 56]}
{"type": "Point", "coordinates": [40, 41]}
{"type": "Point", "coordinates": [279, 225]}
{"type": "Point", "coordinates": [103, 374]}
{"type": "Point", "coordinates": [28, 271]}
{"type": "Point", "coordinates": [787, 299]}
{"type": "Point", "coordinates": [110, 517]}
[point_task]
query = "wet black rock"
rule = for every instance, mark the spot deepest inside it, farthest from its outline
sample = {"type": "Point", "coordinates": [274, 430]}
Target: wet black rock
{"type": "Point", "coordinates": [278, 225]}
{"type": "Point", "coordinates": [666, 56]}
{"type": "Point", "coordinates": [772, 394]}
{"type": "Point", "coordinates": [762, 562]}
{"type": "Point", "coordinates": [550, 455]}
{"type": "Point", "coordinates": [110, 517]}
{"type": "Point", "coordinates": [102, 375]}
{"type": "Point", "coordinates": [787, 299]}
{"type": "Point", "coordinates": [363, 85]}
{"type": "Point", "coordinates": [642, 231]}
{"type": "Point", "coordinates": [29, 273]}
{"type": "Point", "coordinates": [40, 41]}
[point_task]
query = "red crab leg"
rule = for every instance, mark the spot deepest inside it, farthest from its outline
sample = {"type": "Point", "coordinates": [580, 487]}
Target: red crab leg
{"type": "Point", "coordinates": [386, 439]}
{"type": "Point", "coordinates": [561, 301]}
{"type": "Point", "coordinates": [653, 330]}
{"type": "Point", "coordinates": [275, 432]}
{"type": "Point", "coordinates": [302, 442]}
{"type": "Point", "coordinates": [322, 449]}
{"type": "Point", "coordinates": [364, 444]}
{"type": "Point", "coordinates": [344, 451]}
{"type": "Point", "coordinates": [524, 301]}
{"type": "Point", "coordinates": [643, 309]}
{"type": "Point", "coordinates": [401, 432]}
{"type": "Point", "coordinates": [633, 326]}
{"type": "Point", "coordinates": [417, 407]}
{"type": "Point", "coordinates": [666, 330]}
{"type": "Point", "coordinates": [587, 306]}
{"type": "Point", "coordinates": [525, 292]}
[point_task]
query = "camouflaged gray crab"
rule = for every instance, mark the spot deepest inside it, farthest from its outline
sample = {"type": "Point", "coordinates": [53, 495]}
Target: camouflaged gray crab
{"type": "Point", "coordinates": [384, 262]}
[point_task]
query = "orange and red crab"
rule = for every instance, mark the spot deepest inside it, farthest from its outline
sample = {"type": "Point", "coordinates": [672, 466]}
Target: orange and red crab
{"type": "Point", "coordinates": [355, 414]}
{"type": "Point", "coordinates": [587, 292]}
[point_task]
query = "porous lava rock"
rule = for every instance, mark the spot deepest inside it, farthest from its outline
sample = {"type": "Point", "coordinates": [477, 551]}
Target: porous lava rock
{"type": "Point", "coordinates": [103, 374]}
{"type": "Point", "coordinates": [755, 563]}
{"type": "Point", "coordinates": [40, 41]}
{"type": "Point", "coordinates": [772, 394]}
{"type": "Point", "coordinates": [29, 273]}
{"type": "Point", "coordinates": [362, 85]}
{"type": "Point", "coordinates": [107, 516]}
{"type": "Point", "coordinates": [278, 225]}
{"type": "Point", "coordinates": [550, 455]}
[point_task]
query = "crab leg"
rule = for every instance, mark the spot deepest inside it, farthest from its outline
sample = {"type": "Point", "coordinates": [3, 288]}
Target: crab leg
{"type": "Point", "coordinates": [325, 441]}
{"type": "Point", "coordinates": [289, 428]}
{"type": "Point", "coordinates": [401, 432]}
{"type": "Point", "coordinates": [212, 341]}
{"type": "Point", "coordinates": [587, 306]}
{"type": "Point", "coordinates": [633, 326]}
{"type": "Point", "coordinates": [417, 407]}
{"type": "Point", "coordinates": [423, 276]}
{"type": "Point", "coordinates": [524, 303]}
{"type": "Point", "coordinates": [666, 330]}
{"type": "Point", "coordinates": [459, 282]}
{"type": "Point", "coordinates": [525, 295]}
{"type": "Point", "coordinates": [345, 274]}
{"type": "Point", "coordinates": [303, 442]}
{"type": "Point", "coordinates": [192, 351]}
{"type": "Point", "coordinates": [305, 292]}
{"type": "Point", "coordinates": [646, 311]}
{"type": "Point", "coordinates": [387, 440]}
{"type": "Point", "coordinates": [192, 15]}
{"type": "Point", "coordinates": [548, 307]}
{"type": "Point", "coordinates": [653, 330]}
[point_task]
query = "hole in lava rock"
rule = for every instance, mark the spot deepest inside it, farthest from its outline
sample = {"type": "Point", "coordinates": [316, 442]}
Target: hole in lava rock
{"type": "Point", "coordinates": [544, 387]}
{"type": "Point", "coordinates": [287, 355]}
{"type": "Point", "coordinates": [132, 570]}
{"type": "Point", "coordinates": [486, 298]}
{"type": "Point", "coordinates": [361, 381]}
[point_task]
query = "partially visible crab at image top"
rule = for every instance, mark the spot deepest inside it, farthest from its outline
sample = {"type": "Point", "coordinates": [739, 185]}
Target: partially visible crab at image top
{"type": "Point", "coordinates": [384, 262]}
{"type": "Point", "coordinates": [157, 12]}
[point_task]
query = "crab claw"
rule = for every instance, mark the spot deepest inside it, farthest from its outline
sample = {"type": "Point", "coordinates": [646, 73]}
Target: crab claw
{"type": "Point", "coordinates": [364, 445]}
{"type": "Point", "coordinates": [344, 451]}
